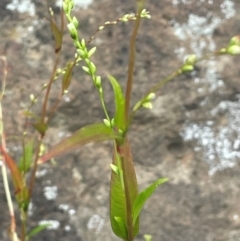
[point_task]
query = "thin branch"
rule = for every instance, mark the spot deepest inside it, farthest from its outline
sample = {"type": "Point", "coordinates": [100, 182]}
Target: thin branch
{"type": "Point", "coordinates": [4, 169]}
{"type": "Point", "coordinates": [159, 85]}
{"type": "Point", "coordinates": [131, 64]}
{"type": "Point", "coordinates": [44, 108]}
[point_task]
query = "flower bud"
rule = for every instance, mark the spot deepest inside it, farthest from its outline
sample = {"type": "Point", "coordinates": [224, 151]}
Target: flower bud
{"type": "Point", "coordinates": [190, 60]}
{"type": "Point", "coordinates": [91, 51]}
{"type": "Point", "coordinates": [187, 68]}
{"type": "Point", "coordinates": [151, 96]}
{"type": "Point", "coordinates": [75, 21]}
{"type": "Point", "coordinates": [32, 97]}
{"type": "Point", "coordinates": [223, 51]}
{"type": "Point", "coordinates": [65, 7]}
{"type": "Point", "coordinates": [235, 40]}
{"type": "Point", "coordinates": [81, 53]}
{"type": "Point", "coordinates": [92, 67]}
{"type": "Point", "coordinates": [73, 31]}
{"type": "Point", "coordinates": [147, 105]}
{"type": "Point", "coordinates": [233, 50]}
{"type": "Point", "coordinates": [106, 122]}
{"type": "Point", "coordinates": [112, 122]}
{"type": "Point", "coordinates": [83, 43]}
{"type": "Point", "coordinates": [98, 81]}
{"type": "Point", "coordinates": [86, 69]}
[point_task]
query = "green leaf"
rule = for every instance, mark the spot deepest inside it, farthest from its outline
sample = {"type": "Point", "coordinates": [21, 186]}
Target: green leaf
{"type": "Point", "coordinates": [21, 191]}
{"type": "Point", "coordinates": [144, 196]}
{"type": "Point", "coordinates": [37, 230]}
{"type": "Point", "coordinates": [119, 103]}
{"type": "Point", "coordinates": [40, 127]}
{"type": "Point", "coordinates": [121, 227]}
{"type": "Point", "coordinates": [130, 180]}
{"type": "Point", "coordinates": [90, 133]}
{"type": "Point", "coordinates": [26, 160]}
{"type": "Point", "coordinates": [17, 177]}
{"type": "Point", "coordinates": [123, 192]}
{"type": "Point", "coordinates": [117, 199]}
{"type": "Point", "coordinates": [67, 76]}
{"type": "Point", "coordinates": [57, 35]}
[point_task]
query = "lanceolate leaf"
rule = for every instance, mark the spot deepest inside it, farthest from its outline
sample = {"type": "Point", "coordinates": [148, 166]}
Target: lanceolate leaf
{"type": "Point", "coordinates": [26, 159]}
{"type": "Point", "coordinates": [87, 134]}
{"type": "Point", "coordinates": [17, 177]}
{"type": "Point", "coordinates": [37, 230]}
{"type": "Point", "coordinates": [130, 182]}
{"type": "Point", "coordinates": [144, 196]}
{"type": "Point", "coordinates": [21, 191]}
{"type": "Point", "coordinates": [57, 34]}
{"type": "Point", "coordinates": [119, 103]}
{"type": "Point", "coordinates": [118, 212]}
{"type": "Point", "coordinates": [123, 192]}
{"type": "Point", "coordinates": [40, 127]}
{"type": "Point", "coordinates": [67, 76]}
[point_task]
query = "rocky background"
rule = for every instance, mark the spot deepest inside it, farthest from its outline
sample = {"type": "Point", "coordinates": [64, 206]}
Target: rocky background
{"type": "Point", "coordinates": [192, 135]}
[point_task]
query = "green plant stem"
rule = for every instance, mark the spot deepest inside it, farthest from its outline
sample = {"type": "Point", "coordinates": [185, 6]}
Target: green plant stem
{"type": "Point", "coordinates": [24, 222]}
{"type": "Point", "coordinates": [131, 63]}
{"type": "Point", "coordinates": [208, 56]}
{"type": "Point", "coordinates": [101, 94]}
{"type": "Point", "coordinates": [104, 107]}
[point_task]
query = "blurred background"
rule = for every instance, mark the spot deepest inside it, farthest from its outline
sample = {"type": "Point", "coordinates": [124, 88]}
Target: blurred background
{"type": "Point", "coordinates": [191, 136]}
